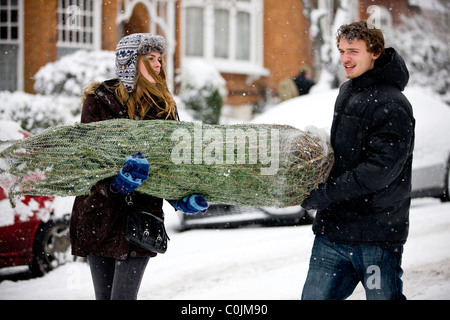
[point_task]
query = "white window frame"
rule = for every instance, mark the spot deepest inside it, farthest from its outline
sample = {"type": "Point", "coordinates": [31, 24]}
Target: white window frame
{"type": "Point", "coordinates": [254, 66]}
{"type": "Point", "coordinates": [18, 41]}
{"type": "Point", "coordinates": [72, 29]}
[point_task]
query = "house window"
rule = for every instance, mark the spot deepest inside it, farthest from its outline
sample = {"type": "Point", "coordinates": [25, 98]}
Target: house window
{"type": "Point", "coordinates": [79, 25]}
{"type": "Point", "coordinates": [11, 12]}
{"type": "Point", "coordinates": [221, 33]}
{"type": "Point", "coordinates": [243, 37]}
{"type": "Point", "coordinates": [226, 33]}
{"type": "Point", "coordinates": [194, 36]}
{"type": "Point", "coordinates": [9, 20]}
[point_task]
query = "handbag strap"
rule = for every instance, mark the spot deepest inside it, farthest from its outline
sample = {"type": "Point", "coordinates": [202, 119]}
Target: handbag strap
{"type": "Point", "coordinates": [141, 209]}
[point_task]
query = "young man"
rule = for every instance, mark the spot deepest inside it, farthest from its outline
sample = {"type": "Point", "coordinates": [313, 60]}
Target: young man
{"type": "Point", "coordinates": [363, 207]}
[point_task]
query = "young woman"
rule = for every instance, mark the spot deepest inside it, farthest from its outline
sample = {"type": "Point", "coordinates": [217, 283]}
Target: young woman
{"type": "Point", "coordinates": [98, 220]}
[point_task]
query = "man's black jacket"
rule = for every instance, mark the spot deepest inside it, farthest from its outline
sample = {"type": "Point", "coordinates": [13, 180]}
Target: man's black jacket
{"type": "Point", "coordinates": [373, 139]}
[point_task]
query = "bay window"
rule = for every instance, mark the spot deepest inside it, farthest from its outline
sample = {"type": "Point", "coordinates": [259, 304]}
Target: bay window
{"type": "Point", "coordinates": [226, 33]}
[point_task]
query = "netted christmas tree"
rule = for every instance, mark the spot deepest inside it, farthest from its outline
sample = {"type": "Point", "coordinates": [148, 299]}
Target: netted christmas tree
{"type": "Point", "coordinates": [245, 164]}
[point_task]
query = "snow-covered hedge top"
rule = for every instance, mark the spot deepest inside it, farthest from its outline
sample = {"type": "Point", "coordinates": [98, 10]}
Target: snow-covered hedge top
{"type": "Point", "coordinates": [72, 72]}
{"type": "Point", "coordinates": [35, 112]}
{"type": "Point", "coordinates": [198, 74]}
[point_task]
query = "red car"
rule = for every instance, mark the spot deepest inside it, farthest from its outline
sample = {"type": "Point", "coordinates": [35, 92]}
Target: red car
{"type": "Point", "coordinates": [31, 233]}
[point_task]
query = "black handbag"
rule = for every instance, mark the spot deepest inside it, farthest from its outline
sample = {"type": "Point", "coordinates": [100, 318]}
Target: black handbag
{"type": "Point", "coordinates": [146, 230]}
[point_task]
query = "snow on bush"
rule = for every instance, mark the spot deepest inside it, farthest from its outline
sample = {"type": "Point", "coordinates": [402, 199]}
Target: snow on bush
{"type": "Point", "coordinates": [202, 90]}
{"type": "Point", "coordinates": [59, 85]}
{"type": "Point", "coordinates": [72, 72]}
{"type": "Point", "coordinates": [423, 46]}
{"type": "Point", "coordinates": [35, 113]}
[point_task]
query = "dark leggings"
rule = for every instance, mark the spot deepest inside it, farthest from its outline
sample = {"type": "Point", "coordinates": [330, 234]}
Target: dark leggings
{"type": "Point", "coordinates": [116, 279]}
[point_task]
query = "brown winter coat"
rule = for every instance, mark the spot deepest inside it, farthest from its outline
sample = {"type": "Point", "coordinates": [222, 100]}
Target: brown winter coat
{"type": "Point", "coordinates": [98, 220]}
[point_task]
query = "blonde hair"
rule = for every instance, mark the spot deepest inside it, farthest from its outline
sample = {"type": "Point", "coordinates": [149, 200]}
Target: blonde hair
{"type": "Point", "coordinates": [148, 95]}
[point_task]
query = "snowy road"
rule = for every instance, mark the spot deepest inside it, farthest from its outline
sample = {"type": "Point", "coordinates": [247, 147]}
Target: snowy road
{"type": "Point", "coordinates": [253, 263]}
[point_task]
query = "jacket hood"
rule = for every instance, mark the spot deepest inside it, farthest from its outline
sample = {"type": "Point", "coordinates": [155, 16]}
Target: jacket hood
{"type": "Point", "coordinates": [89, 89]}
{"type": "Point", "coordinates": [104, 91]}
{"type": "Point", "coordinates": [92, 87]}
{"type": "Point", "coordinates": [391, 68]}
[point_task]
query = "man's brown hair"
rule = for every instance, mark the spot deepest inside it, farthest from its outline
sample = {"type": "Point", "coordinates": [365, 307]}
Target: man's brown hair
{"type": "Point", "coordinates": [373, 38]}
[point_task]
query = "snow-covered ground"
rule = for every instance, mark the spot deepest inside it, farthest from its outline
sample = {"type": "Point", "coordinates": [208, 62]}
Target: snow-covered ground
{"type": "Point", "coordinates": [252, 263]}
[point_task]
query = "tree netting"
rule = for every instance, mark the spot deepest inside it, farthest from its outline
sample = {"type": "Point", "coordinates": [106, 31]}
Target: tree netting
{"type": "Point", "coordinates": [243, 164]}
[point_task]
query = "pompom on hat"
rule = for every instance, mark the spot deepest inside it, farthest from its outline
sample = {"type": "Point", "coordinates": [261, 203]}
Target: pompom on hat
{"type": "Point", "coordinates": [127, 51]}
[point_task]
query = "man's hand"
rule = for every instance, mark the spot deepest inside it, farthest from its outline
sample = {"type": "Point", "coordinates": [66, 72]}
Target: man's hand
{"type": "Point", "coordinates": [318, 199]}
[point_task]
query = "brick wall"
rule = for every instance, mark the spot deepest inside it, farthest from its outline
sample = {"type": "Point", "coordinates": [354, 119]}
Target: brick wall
{"type": "Point", "coordinates": [109, 27]}
{"type": "Point", "coordinates": [40, 37]}
{"type": "Point", "coordinates": [287, 43]}
{"type": "Point", "coordinates": [287, 46]}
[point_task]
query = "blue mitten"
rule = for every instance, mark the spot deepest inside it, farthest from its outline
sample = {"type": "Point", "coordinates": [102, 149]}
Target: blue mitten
{"type": "Point", "coordinates": [132, 175]}
{"type": "Point", "coordinates": [192, 204]}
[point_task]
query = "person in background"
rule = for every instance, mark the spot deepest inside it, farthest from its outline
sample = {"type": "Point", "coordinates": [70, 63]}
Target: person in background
{"type": "Point", "coordinates": [299, 85]}
{"type": "Point", "coordinates": [303, 80]}
{"type": "Point", "coordinates": [98, 220]}
{"type": "Point", "coordinates": [362, 215]}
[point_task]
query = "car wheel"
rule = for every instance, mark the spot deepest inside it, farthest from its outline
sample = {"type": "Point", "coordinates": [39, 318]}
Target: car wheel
{"type": "Point", "coordinates": [51, 246]}
{"type": "Point", "coordinates": [446, 194]}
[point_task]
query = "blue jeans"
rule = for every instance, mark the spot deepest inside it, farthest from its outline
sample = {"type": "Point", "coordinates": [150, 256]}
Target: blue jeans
{"type": "Point", "coordinates": [335, 269]}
